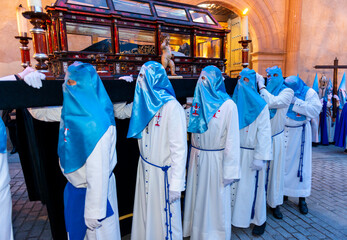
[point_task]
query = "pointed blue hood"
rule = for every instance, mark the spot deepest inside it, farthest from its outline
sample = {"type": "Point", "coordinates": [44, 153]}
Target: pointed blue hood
{"type": "Point", "coordinates": [3, 137]}
{"type": "Point", "coordinates": [86, 115]}
{"type": "Point", "coordinates": [300, 89]}
{"type": "Point", "coordinates": [248, 101]}
{"type": "Point", "coordinates": [315, 84]}
{"type": "Point", "coordinates": [342, 91]}
{"type": "Point", "coordinates": [275, 84]}
{"type": "Point", "coordinates": [153, 90]}
{"type": "Point", "coordinates": [209, 95]}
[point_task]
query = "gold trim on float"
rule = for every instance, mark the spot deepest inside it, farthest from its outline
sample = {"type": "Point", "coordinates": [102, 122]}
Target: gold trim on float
{"type": "Point", "coordinates": [125, 216]}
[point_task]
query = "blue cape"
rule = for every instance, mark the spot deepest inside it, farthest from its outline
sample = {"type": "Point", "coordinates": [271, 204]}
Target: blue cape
{"type": "Point", "coordinates": [248, 101]}
{"type": "Point", "coordinates": [209, 96]}
{"type": "Point", "coordinates": [3, 137]}
{"type": "Point", "coordinates": [153, 89]}
{"type": "Point", "coordinates": [275, 84]}
{"type": "Point", "coordinates": [300, 89]}
{"type": "Point", "coordinates": [315, 84]}
{"type": "Point", "coordinates": [86, 115]}
{"type": "Point", "coordinates": [341, 94]}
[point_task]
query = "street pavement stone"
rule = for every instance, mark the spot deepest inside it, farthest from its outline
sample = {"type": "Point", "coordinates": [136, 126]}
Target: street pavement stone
{"type": "Point", "coordinates": [327, 217]}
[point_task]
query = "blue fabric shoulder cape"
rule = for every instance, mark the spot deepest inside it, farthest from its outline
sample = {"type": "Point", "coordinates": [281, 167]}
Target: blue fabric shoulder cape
{"type": "Point", "coordinates": [209, 96]}
{"type": "Point", "coordinates": [86, 115]}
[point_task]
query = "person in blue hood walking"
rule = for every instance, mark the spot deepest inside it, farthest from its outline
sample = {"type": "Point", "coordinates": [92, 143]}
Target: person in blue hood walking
{"type": "Point", "coordinates": [305, 105]}
{"type": "Point", "coordinates": [278, 98]}
{"type": "Point", "coordinates": [249, 206]}
{"type": "Point", "coordinates": [158, 122]}
{"type": "Point", "coordinates": [214, 162]}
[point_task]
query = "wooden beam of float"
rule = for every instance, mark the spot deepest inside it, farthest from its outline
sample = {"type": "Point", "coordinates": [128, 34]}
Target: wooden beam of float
{"type": "Point", "coordinates": [14, 94]}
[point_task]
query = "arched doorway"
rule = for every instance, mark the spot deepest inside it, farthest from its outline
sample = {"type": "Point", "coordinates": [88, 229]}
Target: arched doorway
{"type": "Point", "coordinates": [266, 28]}
{"type": "Point", "coordinates": [231, 21]}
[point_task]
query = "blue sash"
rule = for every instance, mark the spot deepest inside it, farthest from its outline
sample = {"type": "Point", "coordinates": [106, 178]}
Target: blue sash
{"type": "Point", "coordinates": [167, 209]}
{"type": "Point", "coordinates": [74, 203]}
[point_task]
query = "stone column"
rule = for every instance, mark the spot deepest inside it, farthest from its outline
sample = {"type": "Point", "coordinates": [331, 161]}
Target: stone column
{"type": "Point", "coordinates": [293, 36]}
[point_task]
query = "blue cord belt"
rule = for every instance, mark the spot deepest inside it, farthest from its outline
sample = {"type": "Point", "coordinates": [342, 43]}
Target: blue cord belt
{"type": "Point", "coordinates": [301, 162]}
{"type": "Point", "coordinates": [247, 148]}
{"type": "Point", "coordinates": [277, 133]}
{"type": "Point", "coordinates": [255, 194]}
{"type": "Point", "coordinates": [167, 209]}
{"type": "Point", "coordinates": [208, 150]}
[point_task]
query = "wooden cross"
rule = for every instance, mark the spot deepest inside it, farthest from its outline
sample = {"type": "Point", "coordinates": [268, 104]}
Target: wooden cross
{"type": "Point", "coordinates": [336, 66]}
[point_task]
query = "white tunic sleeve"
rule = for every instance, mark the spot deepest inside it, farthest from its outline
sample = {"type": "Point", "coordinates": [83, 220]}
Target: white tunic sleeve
{"type": "Point", "coordinates": [177, 135]}
{"type": "Point", "coordinates": [311, 107]}
{"type": "Point", "coordinates": [231, 158]}
{"type": "Point", "coordinates": [8, 78]}
{"type": "Point", "coordinates": [263, 146]}
{"type": "Point", "coordinates": [46, 114]}
{"type": "Point", "coordinates": [97, 176]}
{"type": "Point", "coordinates": [122, 110]}
{"type": "Point", "coordinates": [283, 99]}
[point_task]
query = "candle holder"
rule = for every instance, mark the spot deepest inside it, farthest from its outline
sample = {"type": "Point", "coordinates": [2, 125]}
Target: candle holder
{"type": "Point", "coordinates": [244, 43]}
{"type": "Point", "coordinates": [38, 19]}
{"type": "Point", "coordinates": [24, 50]}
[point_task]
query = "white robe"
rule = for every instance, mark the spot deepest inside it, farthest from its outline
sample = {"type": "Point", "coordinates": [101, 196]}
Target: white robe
{"type": "Point", "coordinates": [207, 213]}
{"type": "Point", "coordinates": [275, 168]}
{"type": "Point", "coordinates": [311, 108]}
{"type": "Point", "coordinates": [315, 130]}
{"type": "Point", "coordinates": [96, 174]}
{"type": "Point", "coordinates": [6, 231]}
{"type": "Point", "coordinates": [255, 136]}
{"type": "Point", "coordinates": [163, 143]}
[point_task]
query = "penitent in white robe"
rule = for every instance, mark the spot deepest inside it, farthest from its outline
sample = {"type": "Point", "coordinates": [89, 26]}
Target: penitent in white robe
{"type": "Point", "coordinates": [207, 212]}
{"type": "Point", "coordinates": [97, 174]}
{"type": "Point", "coordinates": [310, 108]}
{"type": "Point", "coordinates": [255, 142]}
{"type": "Point", "coordinates": [6, 231]}
{"type": "Point", "coordinates": [275, 168]}
{"type": "Point", "coordinates": [163, 143]}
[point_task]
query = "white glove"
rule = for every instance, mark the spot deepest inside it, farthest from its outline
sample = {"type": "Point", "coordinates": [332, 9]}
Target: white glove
{"type": "Point", "coordinates": [127, 78]}
{"type": "Point", "coordinates": [226, 182]}
{"type": "Point", "coordinates": [257, 165]}
{"type": "Point", "coordinates": [260, 81]}
{"type": "Point", "coordinates": [33, 79]}
{"type": "Point", "coordinates": [294, 99]}
{"type": "Point", "coordinates": [321, 101]}
{"type": "Point", "coordinates": [92, 224]}
{"type": "Point", "coordinates": [329, 96]}
{"type": "Point", "coordinates": [26, 71]}
{"type": "Point", "coordinates": [174, 196]}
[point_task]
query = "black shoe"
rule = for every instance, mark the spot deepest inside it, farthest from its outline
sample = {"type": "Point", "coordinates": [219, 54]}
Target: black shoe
{"type": "Point", "coordinates": [259, 230]}
{"type": "Point", "coordinates": [303, 206]}
{"type": "Point", "coordinates": [276, 212]}
{"type": "Point", "coordinates": [314, 144]}
{"type": "Point", "coordinates": [285, 198]}
{"type": "Point", "coordinates": [345, 150]}
{"type": "Point", "coordinates": [14, 150]}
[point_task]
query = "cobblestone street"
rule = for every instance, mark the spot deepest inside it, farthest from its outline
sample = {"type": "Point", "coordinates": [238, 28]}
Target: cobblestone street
{"type": "Point", "coordinates": [327, 217]}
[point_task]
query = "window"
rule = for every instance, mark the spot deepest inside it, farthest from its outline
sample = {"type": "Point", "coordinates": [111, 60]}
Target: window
{"type": "Point", "coordinates": [170, 12]}
{"type": "Point", "coordinates": [87, 37]}
{"type": "Point", "coordinates": [180, 44]}
{"type": "Point", "coordinates": [132, 6]}
{"type": "Point", "coordinates": [136, 41]}
{"type": "Point", "coordinates": [200, 17]}
{"type": "Point", "coordinates": [89, 3]}
{"type": "Point", "coordinates": [208, 47]}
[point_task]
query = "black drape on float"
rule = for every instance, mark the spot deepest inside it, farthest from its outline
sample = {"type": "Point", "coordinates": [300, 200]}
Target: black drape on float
{"type": "Point", "coordinates": [38, 143]}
